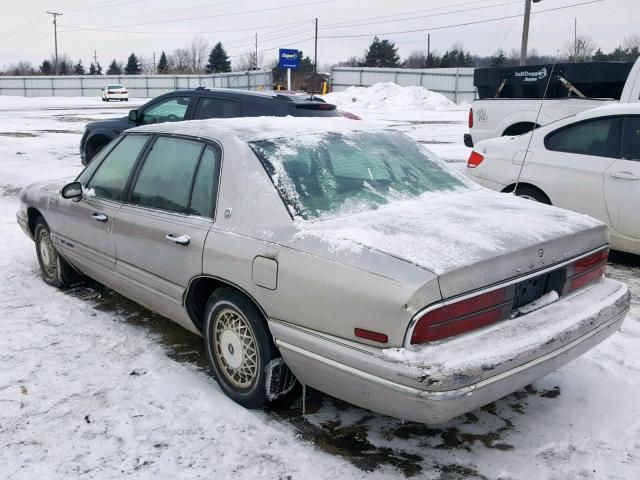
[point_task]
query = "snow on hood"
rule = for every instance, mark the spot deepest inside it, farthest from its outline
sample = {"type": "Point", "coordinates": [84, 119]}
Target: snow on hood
{"type": "Point", "coordinates": [381, 96]}
{"type": "Point", "coordinates": [444, 231]}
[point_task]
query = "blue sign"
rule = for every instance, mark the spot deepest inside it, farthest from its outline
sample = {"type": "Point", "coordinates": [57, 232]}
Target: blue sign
{"type": "Point", "coordinates": [289, 58]}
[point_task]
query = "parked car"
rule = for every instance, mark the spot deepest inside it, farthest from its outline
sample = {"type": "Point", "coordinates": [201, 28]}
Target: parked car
{"type": "Point", "coordinates": [199, 104]}
{"type": "Point", "coordinates": [495, 117]}
{"type": "Point", "coordinates": [335, 251]}
{"type": "Point", "coordinates": [589, 163]}
{"type": "Point", "coordinates": [115, 92]}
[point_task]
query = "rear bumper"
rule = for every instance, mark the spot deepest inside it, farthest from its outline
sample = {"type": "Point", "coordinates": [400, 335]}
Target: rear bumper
{"type": "Point", "coordinates": [446, 386]}
{"type": "Point", "coordinates": [468, 141]}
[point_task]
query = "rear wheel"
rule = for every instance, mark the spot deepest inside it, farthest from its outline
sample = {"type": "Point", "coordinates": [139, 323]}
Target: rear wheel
{"type": "Point", "coordinates": [239, 347]}
{"type": "Point", "coordinates": [56, 271]}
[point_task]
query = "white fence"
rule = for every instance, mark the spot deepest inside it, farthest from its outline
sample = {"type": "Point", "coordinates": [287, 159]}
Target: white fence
{"type": "Point", "coordinates": [142, 86]}
{"type": "Point", "coordinates": [454, 83]}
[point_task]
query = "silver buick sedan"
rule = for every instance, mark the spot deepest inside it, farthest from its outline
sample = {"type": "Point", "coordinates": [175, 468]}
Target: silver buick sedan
{"type": "Point", "coordinates": [333, 252]}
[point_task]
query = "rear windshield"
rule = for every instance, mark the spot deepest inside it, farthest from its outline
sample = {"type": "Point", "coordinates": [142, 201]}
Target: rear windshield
{"type": "Point", "coordinates": [331, 174]}
{"type": "Point", "coordinates": [115, 86]}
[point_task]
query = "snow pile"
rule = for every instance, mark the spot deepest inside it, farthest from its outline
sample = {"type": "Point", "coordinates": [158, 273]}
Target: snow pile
{"type": "Point", "coordinates": [382, 96]}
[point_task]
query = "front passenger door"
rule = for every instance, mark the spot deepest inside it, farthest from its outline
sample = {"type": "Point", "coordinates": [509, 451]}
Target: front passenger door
{"type": "Point", "coordinates": [85, 233]}
{"type": "Point", "coordinates": [172, 109]}
{"type": "Point", "coordinates": [159, 233]}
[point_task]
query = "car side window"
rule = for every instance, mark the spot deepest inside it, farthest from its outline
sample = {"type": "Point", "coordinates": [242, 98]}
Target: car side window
{"type": "Point", "coordinates": [255, 109]}
{"type": "Point", "coordinates": [167, 174]}
{"type": "Point", "coordinates": [170, 110]}
{"type": "Point", "coordinates": [205, 187]}
{"type": "Point", "coordinates": [631, 138]}
{"type": "Point", "coordinates": [89, 170]}
{"type": "Point", "coordinates": [599, 137]}
{"type": "Point", "coordinates": [216, 108]}
{"type": "Point", "coordinates": [112, 174]}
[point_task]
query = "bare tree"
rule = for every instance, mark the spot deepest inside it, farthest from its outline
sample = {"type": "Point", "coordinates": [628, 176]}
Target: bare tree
{"type": "Point", "coordinates": [416, 59]}
{"type": "Point", "coordinates": [248, 61]}
{"type": "Point", "coordinates": [198, 53]}
{"type": "Point", "coordinates": [21, 68]}
{"type": "Point", "coordinates": [180, 61]}
{"type": "Point", "coordinates": [632, 41]}
{"type": "Point", "coordinates": [580, 50]}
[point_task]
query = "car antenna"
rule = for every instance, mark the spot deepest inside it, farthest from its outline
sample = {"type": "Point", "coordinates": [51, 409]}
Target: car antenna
{"type": "Point", "coordinates": [533, 130]}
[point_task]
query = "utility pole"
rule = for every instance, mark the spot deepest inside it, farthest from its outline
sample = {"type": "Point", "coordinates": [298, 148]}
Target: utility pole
{"type": "Point", "coordinates": [95, 58]}
{"type": "Point", "coordinates": [315, 54]}
{"type": "Point", "coordinates": [525, 33]}
{"type": "Point", "coordinates": [154, 63]}
{"type": "Point", "coordinates": [256, 63]}
{"type": "Point", "coordinates": [575, 39]}
{"type": "Point", "coordinates": [55, 35]}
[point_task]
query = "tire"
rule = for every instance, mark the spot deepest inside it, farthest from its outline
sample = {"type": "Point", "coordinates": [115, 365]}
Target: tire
{"type": "Point", "coordinates": [56, 271]}
{"type": "Point", "coordinates": [235, 333]}
{"type": "Point", "coordinates": [531, 193]}
{"type": "Point", "coordinates": [93, 147]}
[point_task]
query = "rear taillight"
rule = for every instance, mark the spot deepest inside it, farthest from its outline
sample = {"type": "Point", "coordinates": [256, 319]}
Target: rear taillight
{"type": "Point", "coordinates": [586, 270]}
{"type": "Point", "coordinates": [475, 159]}
{"type": "Point", "coordinates": [471, 118]}
{"type": "Point", "coordinates": [463, 316]}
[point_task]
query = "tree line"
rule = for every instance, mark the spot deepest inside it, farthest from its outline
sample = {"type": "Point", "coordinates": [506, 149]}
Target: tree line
{"type": "Point", "coordinates": [197, 58]}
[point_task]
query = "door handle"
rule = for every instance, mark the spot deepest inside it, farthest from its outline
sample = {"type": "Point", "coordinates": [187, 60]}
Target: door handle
{"type": "Point", "coordinates": [100, 217]}
{"type": "Point", "coordinates": [624, 175]}
{"type": "Point", "coordinates": [179, 239]}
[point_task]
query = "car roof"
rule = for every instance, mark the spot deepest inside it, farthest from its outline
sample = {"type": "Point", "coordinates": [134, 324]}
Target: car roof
{"type": "Point", "coordinates": [247, 129]}
{"type": "Point", "coordinates": [611, 108]}
{"type": "Point", "coordinates": [235, 92]}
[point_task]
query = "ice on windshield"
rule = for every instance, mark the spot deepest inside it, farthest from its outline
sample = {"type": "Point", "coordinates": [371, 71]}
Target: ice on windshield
{"type": "Point", "coordinates": [334, 173]}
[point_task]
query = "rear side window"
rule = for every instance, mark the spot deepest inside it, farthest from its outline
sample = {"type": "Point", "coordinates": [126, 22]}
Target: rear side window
{"type": "Point", "coordinates": [631, 138]}
{"type": "Point", "coordinates": [600, 137]}
{"type": "Point", "coordinates": [111, 176]}
{"type": "Point", "coordinates": [217, 108]}
{"type": "Point", "coordinates": [260, 109]}
{"type": "Point", "coordinates": [165, 179]}
{"type": "Point", "coordinates": [205, 187]}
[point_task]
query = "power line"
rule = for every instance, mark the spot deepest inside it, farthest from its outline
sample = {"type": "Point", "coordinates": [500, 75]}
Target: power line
{"type": "Point", "coordinates": [461, 24]}
{"type": "Point", "coordinates": [219, 15]}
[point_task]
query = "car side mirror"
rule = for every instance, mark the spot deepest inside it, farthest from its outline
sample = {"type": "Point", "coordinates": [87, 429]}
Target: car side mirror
{"type": "Point", "coordinates": [72, 191]}
{"type": "Point", "coordinates": [135, 116]}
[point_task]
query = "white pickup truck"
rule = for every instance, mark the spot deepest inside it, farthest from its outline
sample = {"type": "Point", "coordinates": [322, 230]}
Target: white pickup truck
{"type": "Point", "coordinates": [496, 117]}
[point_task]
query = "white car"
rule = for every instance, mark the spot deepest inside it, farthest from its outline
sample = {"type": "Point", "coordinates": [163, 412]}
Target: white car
{"type": "Point", "coordinates": [588, 163]}
{"type": "Point", "coordinates": [115, 92]}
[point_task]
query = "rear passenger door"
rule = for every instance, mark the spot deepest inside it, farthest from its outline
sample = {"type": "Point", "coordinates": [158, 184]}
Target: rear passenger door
{"type": "Point", "coordinates": [215, 107]}
{"type": "Point", "coordinates": [159, 232]}
{"type": "Point", "coordinates": [622, 182]}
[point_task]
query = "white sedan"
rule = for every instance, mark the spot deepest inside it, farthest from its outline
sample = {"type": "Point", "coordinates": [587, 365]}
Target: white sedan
{"type": "Point", "coordinates": [115, 92]}
{"type": "Point", "coordinates": [588, 163]}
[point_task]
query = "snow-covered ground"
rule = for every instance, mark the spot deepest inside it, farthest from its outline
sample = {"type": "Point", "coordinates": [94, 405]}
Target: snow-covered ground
{"type": "Point", "coordinates": [92, 386]}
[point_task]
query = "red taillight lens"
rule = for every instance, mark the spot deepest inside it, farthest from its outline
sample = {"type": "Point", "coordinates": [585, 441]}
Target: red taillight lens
{"type": "Point", "coordinates": [471, 118]}
{"type": "Point", "coordinates": [463, 316]}
{"type": "Point", "coordinates": [370, 335]}
{"type": "Point", "coordinates": [475, 159]}
{"type": "Point", "coordinates": [587, 270]}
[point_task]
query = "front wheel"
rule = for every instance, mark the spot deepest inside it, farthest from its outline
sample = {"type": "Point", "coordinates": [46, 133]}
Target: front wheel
{"type": "Point", "coordinates": [240, 349]}
{"type": "Point", "coordinates": [56, 271]}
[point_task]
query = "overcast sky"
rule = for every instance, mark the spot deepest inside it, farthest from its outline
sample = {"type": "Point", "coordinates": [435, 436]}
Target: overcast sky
{"type": "Point", "coordinates": [116, 28]}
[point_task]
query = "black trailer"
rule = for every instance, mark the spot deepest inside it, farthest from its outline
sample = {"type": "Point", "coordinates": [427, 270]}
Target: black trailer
{"type": "Point", "coordinates": [591, 80]}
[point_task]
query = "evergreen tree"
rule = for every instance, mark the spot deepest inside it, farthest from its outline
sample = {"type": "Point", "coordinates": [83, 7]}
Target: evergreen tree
{"type": "Point", "coordinates": [163, 65]}
{"type": "Point", "coordinates": [382, 53]}
{"type": "Point", "coordinates": [133, 65]}
{"type": "Point", "coordinates": [600, 56]}
{"type": "Point", "coordinates": [46, 68]}
{"type": "Point", "coordinates": [99, 69]}
{"type": "Point", "coordinates": [218, 60]}
{"type": "Point", "coordinates": [92, 69]}
{"type": "Point", "coordinates": [64, 67]}
{"type": "Point", "coordinates": [114, 69]}
{"type": "Point", "coordinates": [79, 68]}
{"type": "Point", "coordinates": [306, 65]}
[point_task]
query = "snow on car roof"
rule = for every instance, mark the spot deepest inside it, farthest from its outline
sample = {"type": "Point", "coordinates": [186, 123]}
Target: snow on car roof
{"type": "Point", "coordinates": [247, 129]}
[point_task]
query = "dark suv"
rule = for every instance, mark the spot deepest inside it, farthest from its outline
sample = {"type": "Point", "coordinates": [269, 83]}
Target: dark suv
{"type": "Point", "coordinates": [199, 104]}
